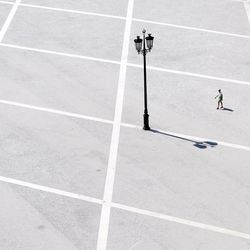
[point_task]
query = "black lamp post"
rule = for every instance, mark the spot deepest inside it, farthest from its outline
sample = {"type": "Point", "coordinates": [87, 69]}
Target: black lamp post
{"type": "Point", "coordinates": [140, 46]}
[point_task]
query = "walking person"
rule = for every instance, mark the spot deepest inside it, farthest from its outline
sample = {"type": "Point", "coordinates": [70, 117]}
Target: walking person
{"type": "Point", "coordinates": [220, 99]}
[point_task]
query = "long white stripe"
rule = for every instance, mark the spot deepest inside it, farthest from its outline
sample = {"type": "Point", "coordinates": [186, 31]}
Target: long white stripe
{"type": "Point", "coordinates": [134, 19]}
{"type": "Point", "coordinates": [137, 20]}
{"type": "Point", "coordinates": [178, 72]}
{"type": "Point", "coordinates": [126, 208]}
{"type": "Point", "coordinates": [96, 59]}
{"type": "Point", "coordinates": [7, 2]}
{"type": "Point", "coordinates": [73, 11]}
{"type": "Point", "coordinates": [9, 19]}
{"type": "Point", "coordinates": [96, 119]}
{"type": "Point", "coordinates": [191, 28]}
{"type": "Point", "coordinates": [183, 221]}
{"type": "Point", "coordinates": [247, 8]}
{"type": "Point", "coordinates": [195, 138]}
{"type": "Point", "coordinates": [50, 190]}
{"type": "Point", "coordinates": [109, 184]}
{"type": "Point", "coordinates": [56, 111]}
{"type": "Point", "coordinates": [59, 53]}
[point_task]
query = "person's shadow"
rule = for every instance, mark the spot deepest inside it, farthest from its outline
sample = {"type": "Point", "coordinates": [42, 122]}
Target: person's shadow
{"type": "Point", "coordinates": [198, 144]}
{"type": "Point", "coordinates": [227, 109]}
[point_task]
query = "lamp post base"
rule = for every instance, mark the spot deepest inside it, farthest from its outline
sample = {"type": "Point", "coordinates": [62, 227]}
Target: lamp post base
{"type": "Point", "coordinates": [146, 122]}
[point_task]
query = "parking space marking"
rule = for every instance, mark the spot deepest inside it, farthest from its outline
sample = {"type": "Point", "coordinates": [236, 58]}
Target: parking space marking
{"type": "Point", "coordinates": [96, 119]}
{"type": "Point", "coordinates": [55, 111]}
{"type": "Point", "coordinates": [186, 73]}
{"type": "Point", "coordinates": [9, 19]}
{"type": "Point", "coordinates": [131, 209]}
{"type": "Point", "coordinates": [247, 8]}
{"type": "Point", "coordinates": [191, 28]}
{"type": "Point", "coordinates": [107, 202]}
{"type": "Point", "coordinates": [59, 53]}
{"type": "Point", "coordinates": [50, 190]}
{"type": "Point", "coordinates": [178, 72]}
{"type": "Point", "coordinates": [182, 221]}
{"type": "Point", "coordinates": [6, 2]}
{"type": "Point", "coordinates": [110, 176]}
{"type": "Point", "coordinates": [73, 11]}
{"type": "Point", "coordinates": [134, 19]}
{"type": "Point", "coordinates": [194, 138]}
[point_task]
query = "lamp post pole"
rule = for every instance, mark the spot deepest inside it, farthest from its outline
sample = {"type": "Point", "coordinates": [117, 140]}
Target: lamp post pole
{"type": "Point", "coordinates": [145, 115]}
{"type": "Point", "coordinates": [140, 46]}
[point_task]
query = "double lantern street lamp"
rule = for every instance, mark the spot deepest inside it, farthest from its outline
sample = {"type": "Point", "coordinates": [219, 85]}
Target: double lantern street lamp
{"type": "Point", "coordinates": [140, 45]}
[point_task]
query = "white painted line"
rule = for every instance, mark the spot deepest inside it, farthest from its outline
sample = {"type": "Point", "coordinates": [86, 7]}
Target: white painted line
{"type": "Point", "coordinates": [137, 20]}
{"type": "Point", "coordinates": [178, 72]}
{"type": "Point", "coordinates": [182, 221]}
{"type": "Point", "coordinates": [126, 208]}
{"type": "Point", "coordinates": [128, 125]}
{"type": "Point", "coordinates": [128, 64]}
{"type": "Point", "coordinates": [194, 138]}
{"type": "Point", "coordinates": [134, 19]}
{"type": "Point", "coordinates": [55, 111]}
{"type": "Point", "coordinates": [95, 59]}
{"type": "Point", "coordinates": [192, 28]}
{"type": "Point", "coordinates": [241, 1]}
{"type": "Point", "coordinates": [199, 139]}
{"type": "Point", "coordinates": [247, 8]}
{"type": "Point", "coordinates": [109, 183]}
{"type": "Point", "coordinates": [96, 119]}
{"type": "Point", "coordinates": [50, 190]}
{"type": "Point", "coordinates": [72, 11]}
{"type": "Point", "coordinates": [7, 2]}
{"type": "Point", "coordinates": [9, 19]}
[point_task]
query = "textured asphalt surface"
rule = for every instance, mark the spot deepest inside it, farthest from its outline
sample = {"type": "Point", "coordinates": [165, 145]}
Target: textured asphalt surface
{"type": "Point", "coordinates": [193, 179]}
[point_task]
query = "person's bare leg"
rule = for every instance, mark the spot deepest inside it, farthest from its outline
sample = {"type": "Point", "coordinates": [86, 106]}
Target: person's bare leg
{"type": "Point", "coordinates": [221, 105]}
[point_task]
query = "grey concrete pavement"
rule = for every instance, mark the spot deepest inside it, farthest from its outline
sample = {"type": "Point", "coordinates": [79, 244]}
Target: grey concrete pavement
{"type": "Point", "coordinates": [4, 12]}
{"type": "Point", "coordinates": [137, 232]}
{"type": "Point", "coordinates": [196, 181]}
{"type": "Point", "coordinates": [109, 7]}
{"type": "Point", "coordinates": [63, 83]}
{"type": "Point", "coordinates": [204, 183]}
{"type": "Point", "coordinates": [224, 15]}
{"type": "Point", "coordinates": [37, 220]}
{"type": "Point", "coordinates": [67, 32]}
{"type": "Point", "coordinates": [195, 52]}
{"type": "Point", "coordinates": [54, 151]}
{"type": "Point", "coordinates": [186, 105]}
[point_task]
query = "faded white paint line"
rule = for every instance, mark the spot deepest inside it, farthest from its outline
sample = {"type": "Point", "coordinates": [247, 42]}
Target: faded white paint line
{"type": "Point", "coordinates": [246, 5]}
{"type": "Point", "coordinates": [55, 111]}
{"type": "Point", "coordinates": [178, 72]}
{"type": "Point", "coordinates": [72, 11]}
{"type": "Point", "coordinates": [247, 8]}
{"type": "Point", "coordinates": [182, 221]}
{"type": "Point", "coordinates": [50, 190]}
{"type": "Point", "coordinates": [192, 28]}
{"type": "Point", "coordinates": [95, 59]}
{"type": "Point", "coordinates": [134, 19]}
{"type": "Point", "coordinates": [7, 2]}
{"type": "Point", "coordinates": [9, 19]}
{"type": "Point", "coordinates": [126, 208]}
{"type": "Point", "coordinates": [199, 139]}
{"type": "Point", "coordinates": [193, 138]}
{"type": "Point", "coordinates": [96, 119]}
{"type": "Point", "coordinates": [110, 178]}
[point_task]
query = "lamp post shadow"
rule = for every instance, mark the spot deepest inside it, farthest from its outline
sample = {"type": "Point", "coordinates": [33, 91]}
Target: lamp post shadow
{"type": "Point", "coordinates": [198, 144]}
